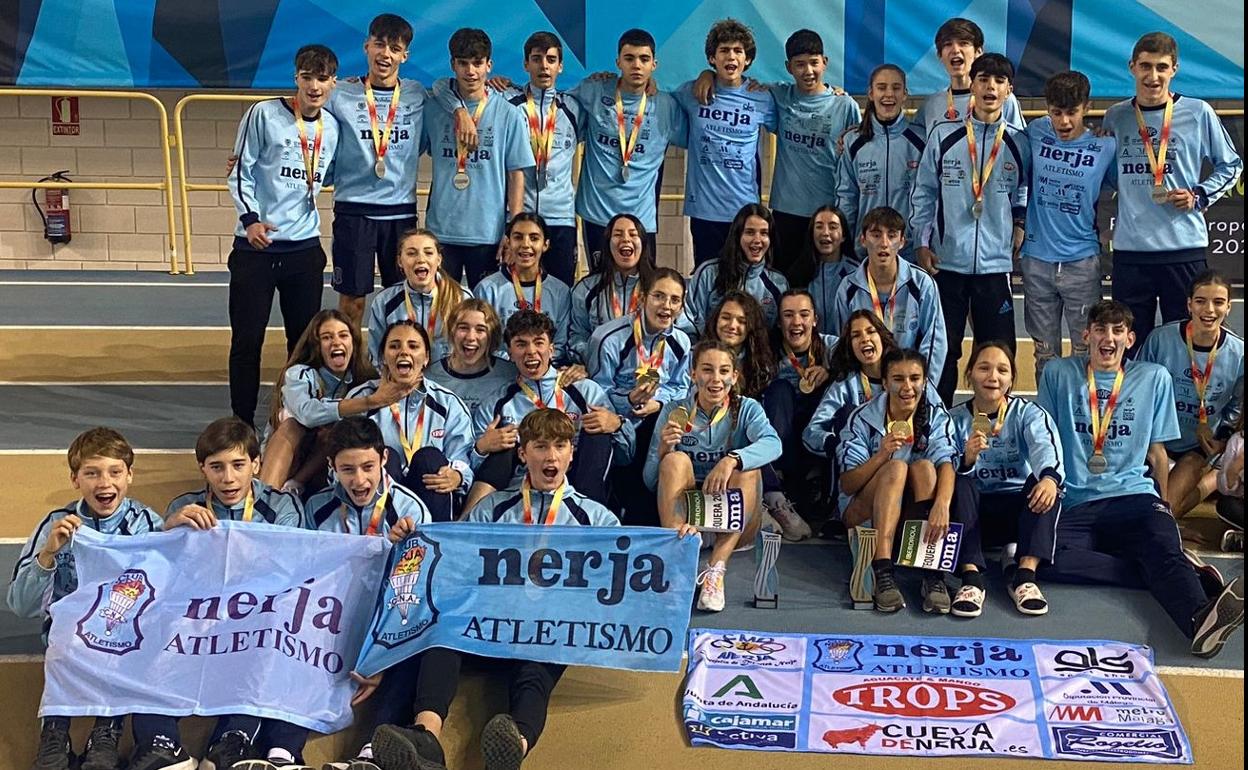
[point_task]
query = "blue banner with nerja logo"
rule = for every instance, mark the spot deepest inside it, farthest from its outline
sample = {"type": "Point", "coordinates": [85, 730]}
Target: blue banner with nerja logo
{"type": "Point", "coordinates": [929, 696]}
{"type": "Point", "coordinates": [232, 620]}
{"type": "Point", "coordinates": [612, 597]}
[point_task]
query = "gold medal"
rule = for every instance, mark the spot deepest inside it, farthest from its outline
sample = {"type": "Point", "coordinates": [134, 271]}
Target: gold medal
{"type": "Point", "coordinates": [981, 424]}
{"type": "Point", "coordinates": [461, 181]}
{"type": "Point", "coordinates": [901, 429]}
{"type": "Point", "coordinates": [678, 415]}
{"type": "Point", "coordinates": [806, 386]}
{"type": "Point", "coordinates": [647, 378]}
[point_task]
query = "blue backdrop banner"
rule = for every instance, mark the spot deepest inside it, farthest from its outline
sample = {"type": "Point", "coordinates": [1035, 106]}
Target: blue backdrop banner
{"type": "Point", "coordinates": [232, 44]}
{"type": "Point", "coordinates": [590, 596]}
{"type": "Point", "coordinates": [239, 619]}
{"type": "Point", "coordinates": [930, 696]}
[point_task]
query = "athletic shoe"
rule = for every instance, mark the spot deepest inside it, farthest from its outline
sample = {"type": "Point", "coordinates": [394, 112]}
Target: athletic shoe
{"type": "Point", "coordinates": [229, 750]}
{"type": "Point", "coordinates": [55, 751]}
{"type": "Point", "coordinates": [792, 526]}
{"type": "Point", "coordinates": [101, 752]}
{"type": "Point", "coordinates": [266, 764]}
{"type": "Point", "coordinates": [711, 598]}
{"type": "Point", "coordinates": [162, 754]}
{"type": "Point", "coordinates": [359, 763]}
{"type": "Point", "coordinates": [887, 596]}
{"type": "Point", "coordinates": [1210, 579]}
{"type": "Point", "coordinates": [969, 602]}
{"type": "Point", "coordinates": [1217, 620]}
{"type": "Point", "coordinates": [502, 746]}
{"type": "Point", "coordinates": [1028, 599]}
{"type": "Point", "coordinates": [1231, 512]}
{"type": "Point", "coordinates": [407, 748]}
{"type": "Point", "coordinates": [1233, 541]}
{"type": "Point", "coordinates": [936, 595]}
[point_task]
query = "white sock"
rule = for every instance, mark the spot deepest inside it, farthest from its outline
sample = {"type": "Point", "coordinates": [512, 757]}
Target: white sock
{"type": "Point", "coordinates": [280, 755]}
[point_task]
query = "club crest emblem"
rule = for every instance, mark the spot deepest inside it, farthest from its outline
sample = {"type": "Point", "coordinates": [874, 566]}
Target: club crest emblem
{"type": "Point", "coordinates": [112, 623]}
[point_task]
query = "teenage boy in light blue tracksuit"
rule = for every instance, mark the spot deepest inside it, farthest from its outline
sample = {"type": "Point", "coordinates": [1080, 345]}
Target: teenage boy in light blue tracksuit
{"type": "Point", "coordinates": [968, 214]}
{"type": "Point", "coordinates": [1160, 246]}
{"type": "Point", "coordinates": [285, 149]}
{"type": "Point", "coordinates": [604, 438]}
{"type": "Point", "coordinates": [100, 467]}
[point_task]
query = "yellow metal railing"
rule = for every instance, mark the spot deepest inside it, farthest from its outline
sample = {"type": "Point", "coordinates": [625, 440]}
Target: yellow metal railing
{"type": "Point", "coordinates": [166, 186]}
{"type": "Point", "coordinates": [185, 188]}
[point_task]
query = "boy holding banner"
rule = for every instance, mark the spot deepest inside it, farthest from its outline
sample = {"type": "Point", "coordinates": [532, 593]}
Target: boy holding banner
{"type": "Point", "coordinates": [101, 468]}
{"type": "Point", "coordinates": [1115, 529]}
{"type": "Point", "coordinates": [228, 454]}
{"type": "Point", "coordinates": [545, 498]}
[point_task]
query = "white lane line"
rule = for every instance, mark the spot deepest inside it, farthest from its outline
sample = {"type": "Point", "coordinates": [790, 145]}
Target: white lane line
{"type": "Point", "coordinates": [21, 659]}
{"type": "Point", "coordinates": [172, 283]}
{"type": "Point", "coordinates": [61, 452]}
{"type": "Point", "coordinates": [12, 541]}
{"type": "Point", "coordinates": [1215, 673]}
{"type": "Point", "coordinates": [117, 383]}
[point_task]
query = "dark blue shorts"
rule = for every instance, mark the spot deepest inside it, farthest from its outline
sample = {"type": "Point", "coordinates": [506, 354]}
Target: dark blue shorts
{"type": "Point", "coordinates": [359, 243]}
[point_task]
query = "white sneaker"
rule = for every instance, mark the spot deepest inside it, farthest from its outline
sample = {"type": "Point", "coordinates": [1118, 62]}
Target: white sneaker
{"type": "Point", "coordinates": [711, 598]}
{"type": "Point", "coordinates": [792, 526]}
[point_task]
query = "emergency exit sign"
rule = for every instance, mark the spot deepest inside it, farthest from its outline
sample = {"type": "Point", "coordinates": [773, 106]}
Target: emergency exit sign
{"type": "Point", "coordinates": [65, 116]}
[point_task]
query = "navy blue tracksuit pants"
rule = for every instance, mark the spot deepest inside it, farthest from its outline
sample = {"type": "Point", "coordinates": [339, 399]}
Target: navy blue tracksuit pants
{"type": "Point", "coordinates": [1132, 541]}
{"type": "Point", "coordinates": [1000, 518]}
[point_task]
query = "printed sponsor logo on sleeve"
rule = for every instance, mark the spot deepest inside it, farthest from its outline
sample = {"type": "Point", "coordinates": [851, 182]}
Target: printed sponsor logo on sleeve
{"type": "Point", "coordinates": [1117, 743]}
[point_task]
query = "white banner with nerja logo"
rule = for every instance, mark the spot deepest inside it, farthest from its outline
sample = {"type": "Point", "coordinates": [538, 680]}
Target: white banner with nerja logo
{"type": "Point", "coordinates": [929, 696]}
{"type": "Point", "coordinates": [239, 619]}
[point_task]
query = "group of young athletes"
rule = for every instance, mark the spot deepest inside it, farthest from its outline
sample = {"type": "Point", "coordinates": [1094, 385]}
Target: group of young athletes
{"type": "Point", "coordinates": [810, 361]}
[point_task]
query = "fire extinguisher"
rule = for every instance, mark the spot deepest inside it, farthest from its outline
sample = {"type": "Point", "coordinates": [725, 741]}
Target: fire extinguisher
{"type": "Point", "coordinates": [55, 209]}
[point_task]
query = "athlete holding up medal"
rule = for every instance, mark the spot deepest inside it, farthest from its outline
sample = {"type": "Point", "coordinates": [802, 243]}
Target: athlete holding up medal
{"type": "Point", "coordinates": [896, 455]}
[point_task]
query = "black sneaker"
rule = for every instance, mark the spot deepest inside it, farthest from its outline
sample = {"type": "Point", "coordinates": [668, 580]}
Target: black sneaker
{"type": "Point", "coordinates": [234, 746]}
{"type": "Point", "coordinates": [359, 763]}
{"type": "Point", "coordinates": [407, 748]}
{"type": "Point", "coordinates": [887, 596]}
{"type": "Point", "coordinates": [502, 746]}
{"type": "Point", "coordinates": [162, 754]}
{"type": "Point", "coordinates": [55, 751]}
{"type": "Point", "coordinates": [101, 753]}
{"type": "Point", "coordinates": [1210, 579]}
{"type": "Point", "coordinates": [1218, 619]}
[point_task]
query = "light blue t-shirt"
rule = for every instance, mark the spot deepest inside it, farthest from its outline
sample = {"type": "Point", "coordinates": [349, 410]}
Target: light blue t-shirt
{"type": "Point", "coordinates": [1066, 179]}
{"type": "Point", "coordinates": [1144, 415]}
{"type": "Point", "coordinates": [357, 188]}
{"type": "Point", "coordinates": [476, 214]}
{"type": "Point", "coordinates": [601, 193]}
{"type": "Point", "coordinates": [1167, 346]}
{"type": "Point", "coordinates": [809, 125]}
{"type": "Point", "coordinates": [721, 165]}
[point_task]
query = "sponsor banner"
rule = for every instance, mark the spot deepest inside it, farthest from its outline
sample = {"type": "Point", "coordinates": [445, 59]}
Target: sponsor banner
{"type": "Point", "coordinates": [917, 552]}
{"type": "Point", "coordinates": [233, 620]}
{"type": "Point", "coordinates": [929, 696]}
{"type": "Point", "coordinates": [614, 597]}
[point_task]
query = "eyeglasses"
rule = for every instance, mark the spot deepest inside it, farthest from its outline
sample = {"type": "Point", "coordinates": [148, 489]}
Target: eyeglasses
{"type": "Point", "coordinates": [674, 300]}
